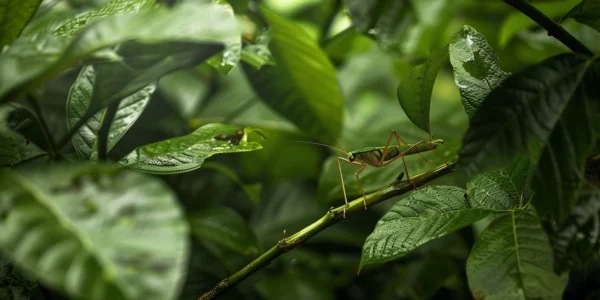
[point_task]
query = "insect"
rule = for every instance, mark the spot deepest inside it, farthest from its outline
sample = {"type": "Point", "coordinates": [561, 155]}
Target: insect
{"type": "Point", "coordinates": [381, 157]}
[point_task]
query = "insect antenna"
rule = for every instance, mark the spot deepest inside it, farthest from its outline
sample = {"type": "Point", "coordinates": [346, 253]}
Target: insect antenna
{"type": "Point", "coordinates": [324, 145]}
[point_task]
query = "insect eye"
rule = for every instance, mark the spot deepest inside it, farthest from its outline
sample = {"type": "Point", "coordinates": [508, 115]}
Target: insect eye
{"type": "Point", "coordinates": [352, 157]}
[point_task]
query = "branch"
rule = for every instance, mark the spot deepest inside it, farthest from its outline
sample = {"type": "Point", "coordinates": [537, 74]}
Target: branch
{"type": "Point", "coordinates": [330, 218]}
{"type": "Point", "coordinates": [552, 27]}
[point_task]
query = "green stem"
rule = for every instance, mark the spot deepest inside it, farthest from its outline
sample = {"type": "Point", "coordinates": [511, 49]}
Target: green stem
{"type": "Point", "coordinates": [552, 27]}
{"type": "Point", "coordinates": [330, 218]}
{"type": "Point", "coordinates": [107, 119]}
{"type": "Point", "coordinates": [65, 139]}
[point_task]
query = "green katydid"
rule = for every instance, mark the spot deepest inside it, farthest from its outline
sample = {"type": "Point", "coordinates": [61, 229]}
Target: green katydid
{"type": "Point", "coordinates": [381, 157]}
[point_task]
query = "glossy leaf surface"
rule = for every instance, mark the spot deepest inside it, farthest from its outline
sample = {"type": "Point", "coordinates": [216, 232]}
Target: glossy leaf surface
{"type": "Point", "coordinates": [187, 153]}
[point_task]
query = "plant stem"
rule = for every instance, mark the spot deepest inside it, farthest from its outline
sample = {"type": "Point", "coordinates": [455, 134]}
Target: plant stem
{"type": "Point", "coordinates": [335, 7]}
{"type": "Point", "coordinates": [107, 119]}
{"type": "Point", "coordinates": [42, 123]}
{"type": "Point", "coordinates": [330, 218]}
{"type": "Point", "coordinates": [65, 139]}
{"type": "Point", "coordinates": [552, 27]}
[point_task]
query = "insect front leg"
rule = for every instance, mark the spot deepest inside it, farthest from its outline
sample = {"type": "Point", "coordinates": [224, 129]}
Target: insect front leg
{"type": "Point", "coordinates": [362, 164]}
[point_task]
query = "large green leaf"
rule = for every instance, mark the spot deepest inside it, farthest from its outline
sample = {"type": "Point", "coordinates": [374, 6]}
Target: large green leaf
{"type": "Point", "coordinates": [187, 153]}
{"type": "Point", "coordinates": [302, 85]}
{"type": "Point", "coordinates": [414, 92]}
{"type": "Point", "coordinates": [14, 15]}
{"type": "Point", "coordinates": [94, 232]}
{"type": "Point", "coordinates": [560, 172]}
{"type": "Point", "coordinates": [172, 38]}
{"type": "Point", "coordinates": [525, 106]}
{"type": "Point", "coordinates": [427, 214]}
{"type": "Point", "coordinates": [225, 227]}
{"type": "Point", "coordinates": [512, 259]}
{"type": "Point", "coordinates": [503, 189]}
{"type": "Point", "coordinates": [586, 12]}
{"type": "Point", "coordinates": [114, 7]}
{"type": "Point", "coordinates": [80, 96]}
{"type": "Point", "coordinates": [475, 68]}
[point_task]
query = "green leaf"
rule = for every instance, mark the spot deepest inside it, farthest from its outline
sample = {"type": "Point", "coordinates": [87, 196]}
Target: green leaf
{"type": "Point", "coordinates": [587, 12]}
{"type": "Point", "coordinates": [560, 172]}
{"type": "Point", "coordinates": [14, 15]}
{"type": "Point", "coordinates": [414, 92]}
{"type": "Point", "coordinates": [225, 227]}
{"type": "Point", "coordinates": [14, 148]}
{"type": "Point", "coordinates": [184, 91]}
{"type": "Point", "coordinates": [577, 243]}
{"type": "Point", "coordinates": [525, 106]}
{"type": "Point", "coordinates": [172, 38]}
{"type": "Point", "coordinates": [512, 259]}
{"type": "Point", "coordinates": [230, 56]}
{"type": "Point", "coordinates": [251, 190]}
{"type": "Point", "coordinates": [113, 8]}
{"type": "Point", "coordinates": [187, 153]}
{"type": "Point", "coordinates": [302, 85]}
{"type": "Point", "coordinates": [503, 189]}
{"type": "Point", "coordinates": [94, 232]}
{"type": "Point", "coordinates": [293, 286]}
{"type": "Point", "coordinates": [258, 55]}
{"type": "Point", "coordinates": [475, 68]}
{"type": "Point", "coordinates": [387, 21]}
{"type": "Point", "coordinates": [80, 97]}
{"type": "Point", "coordinates": [518, 21]}
{"type": "Point", "coordinates": [427, 214]}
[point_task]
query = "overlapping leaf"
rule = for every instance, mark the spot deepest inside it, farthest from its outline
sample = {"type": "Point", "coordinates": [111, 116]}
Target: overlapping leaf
{"type": "Point", "coordinates": [475, 68]}
{"type": "Point", "coordinates": [427, 214]}
{"type": "Point", "coordinates": [94, 232]}
{"type": "Point", "coordinates": [586, 12]}
{"type": "Point", "coordinates": [79, 101]}
{"type": "Point", "coordinates": [512, 259]}
{"type": "Point", "coordinates": [302, 85]}
{"type": "Point", "coordinates": [185, 39]}
{"type": "Point", "coordinates": [187, 153]}
{"type": "Point", "coordinates": [526, 106]}
{"type": "Point", "coordinates": [14, 148]}
{"type": "Point", "coordinates": [414, 92]}
{"type": "Point", "coordinates": [503, 189]}
{"type": "Point", "coordinates": [225, 227]}
{"type": "Point", "coordinates": [14, 15]}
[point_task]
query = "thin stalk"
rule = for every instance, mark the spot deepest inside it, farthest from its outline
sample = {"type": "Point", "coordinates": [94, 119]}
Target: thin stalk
{"type": "Point", "coordinates": [107, 119]}
{"type": "Point", "coordinates": [330, 218]}
{"type": "Point", "coordinates": [553, 28]}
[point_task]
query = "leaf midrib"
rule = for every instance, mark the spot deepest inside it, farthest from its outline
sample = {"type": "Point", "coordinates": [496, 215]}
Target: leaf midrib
{"type": "Point", "coordinates": [66, 223]}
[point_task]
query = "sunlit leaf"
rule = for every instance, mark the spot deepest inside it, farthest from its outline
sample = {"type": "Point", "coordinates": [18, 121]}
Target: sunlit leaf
{"type": "Point", "coordinates": [427, 214]}
{"type": "Point", "coordinates": [86, 138]}
{"type": "Point", "coordinates": [512, 259]}
{"type": "Point", "coordinates": [187, 153]}
{"type": "Point", "coordinates": [225, 227]}
{"type": "Point", "coordinates": [503, 189]}
{"type": "Point", "coordinates": [14, 15]}
{"type": "Point", "coordinates": [114, 7]}
{"type": "Point", "coordinates": [526, 106]}
{"type": "Point", "coordinates": [414, 92]}
{"type": "Point", "coordinates": [185, 39]}
{"type": "Point", "coordinates": [475, 68]}
{"type": "Point", "coordinates": [93, 231]}
{"type": "Point", "coordinates": [302, 86]}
